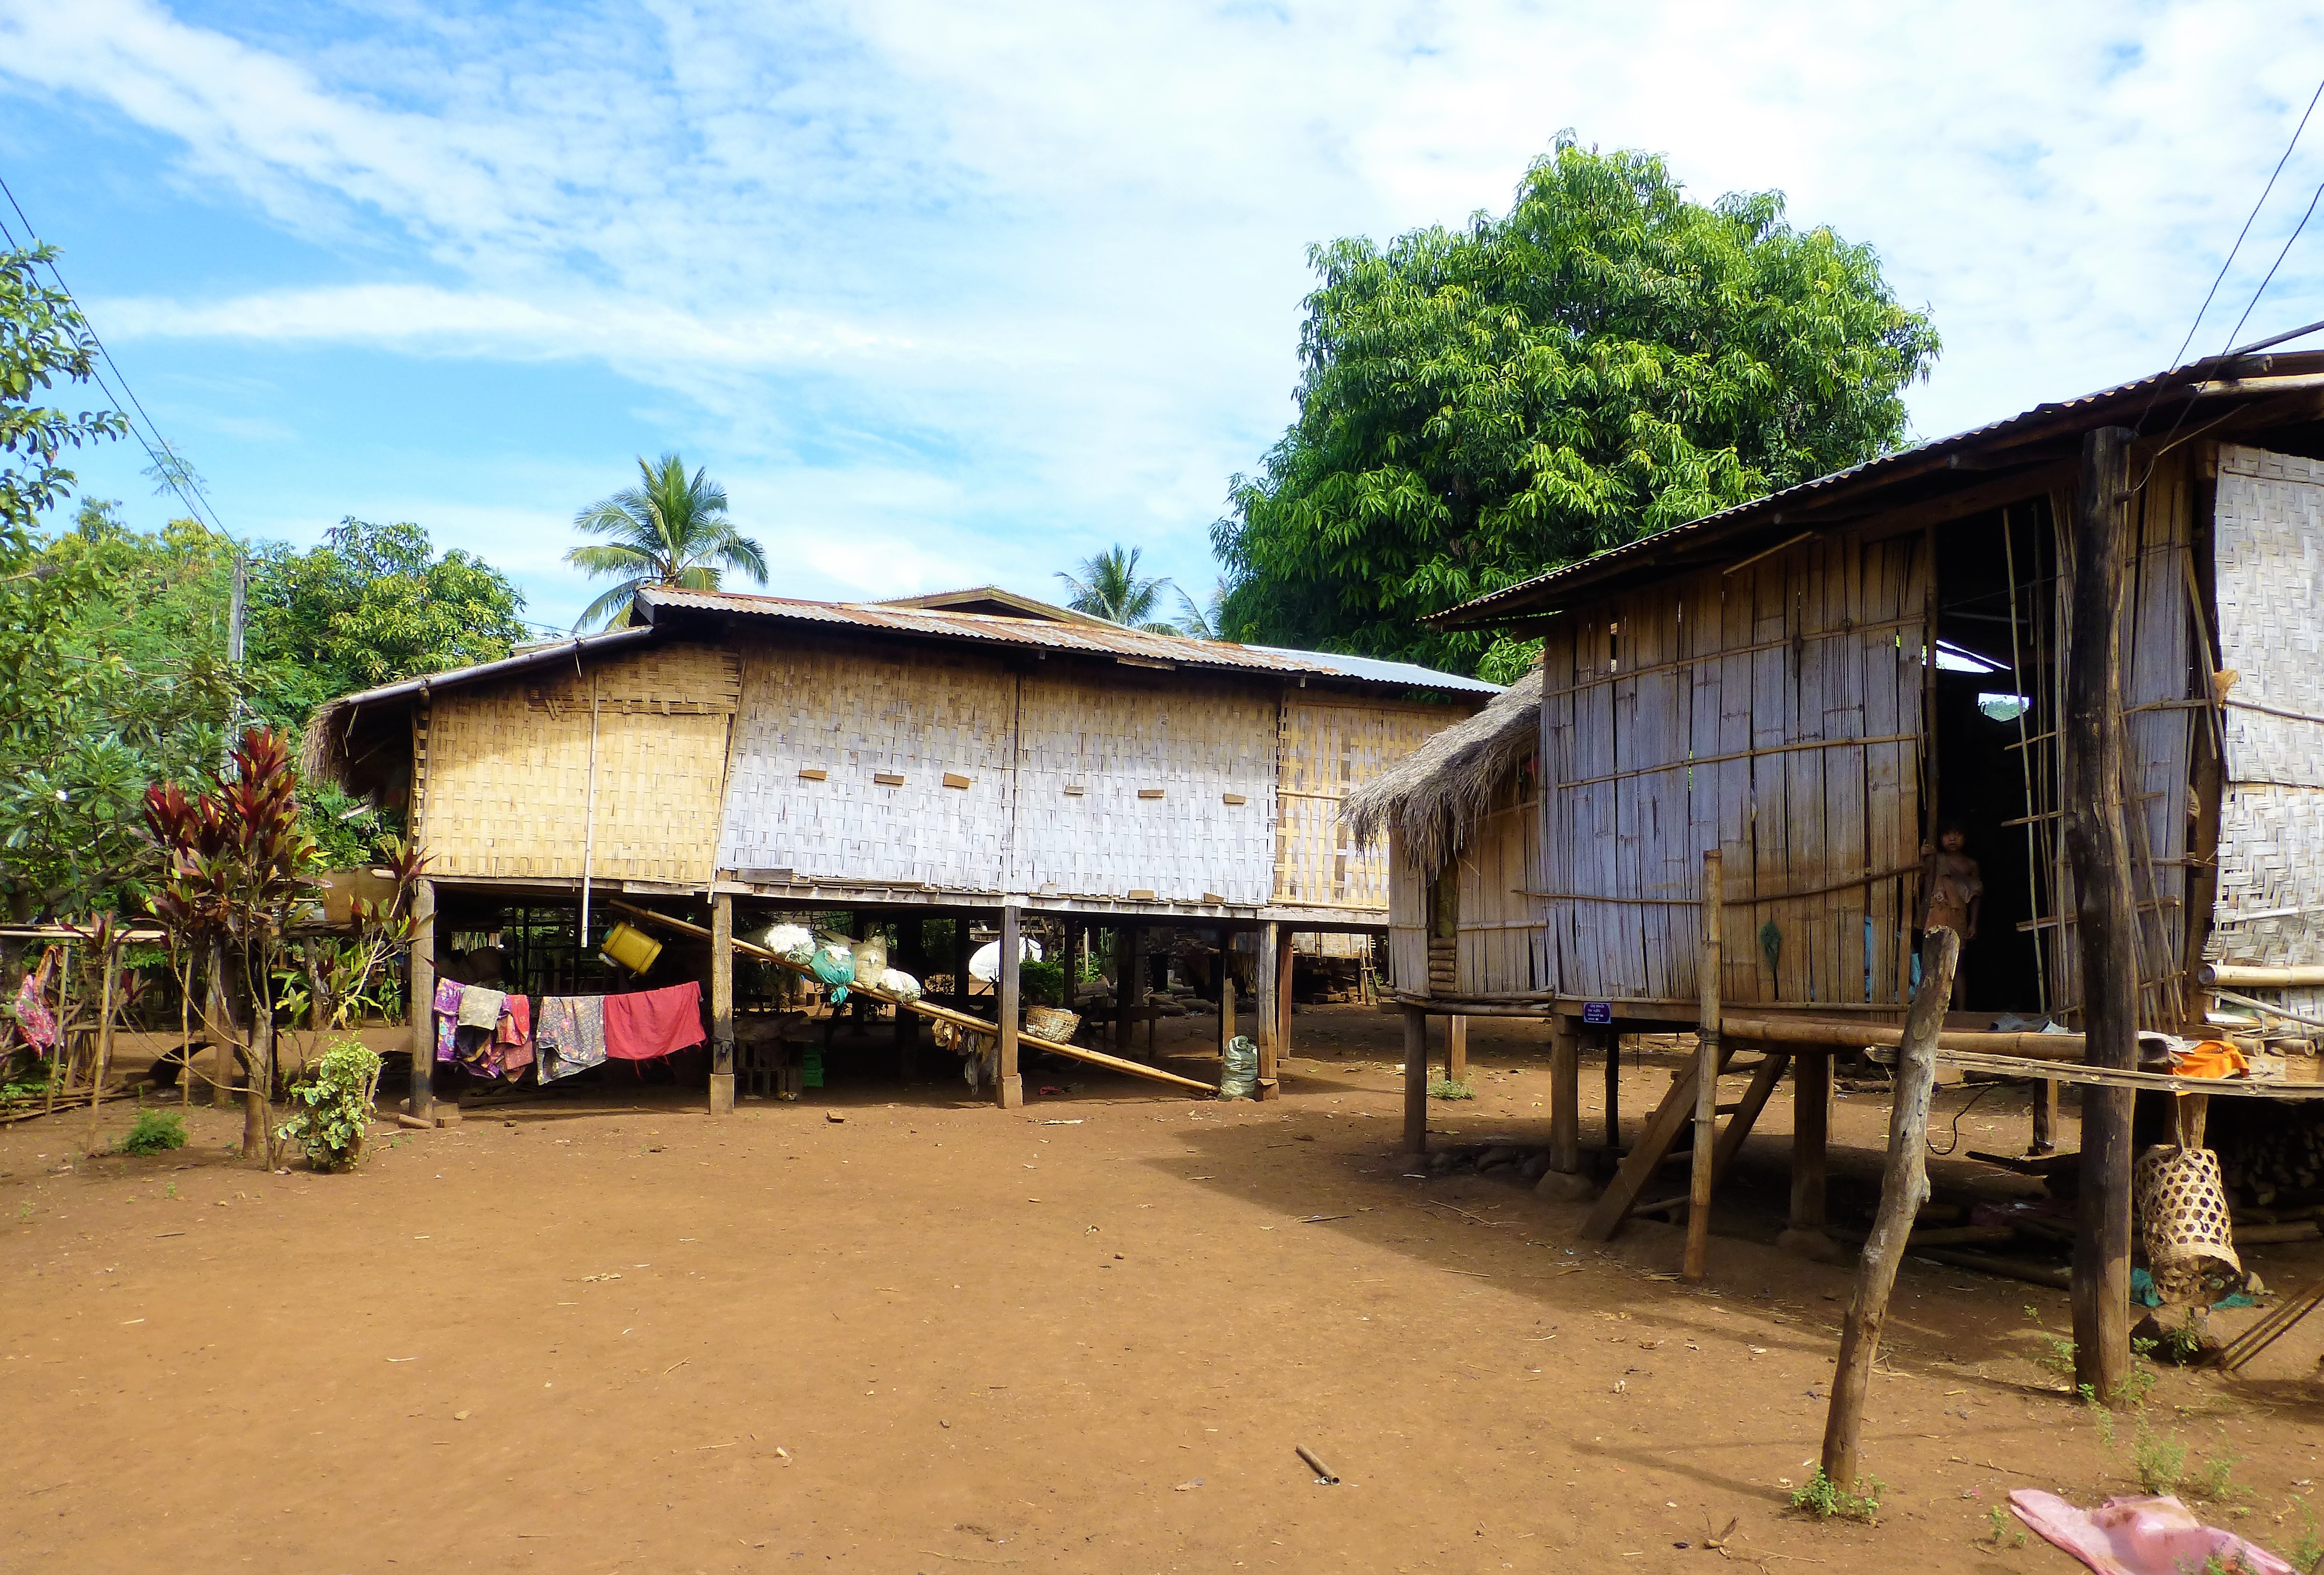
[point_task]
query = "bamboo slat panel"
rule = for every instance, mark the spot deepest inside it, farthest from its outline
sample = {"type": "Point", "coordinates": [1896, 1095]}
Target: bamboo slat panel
{"type": "Point", "coordinates": [1499, 930]}
{"type": "Point", "coordinates": [858, 716]}
{"type": "Point", "coordinates": [1127, 736]}
{"type": "Point", "coordinates": [2270, 553]}
{"type": "Point", "coordinates": [1407, 921]}
{"type": "Point", "coordinates": [505, 771]}
{"type": "Point", "coordinates": [1327, 752]}
{"type": "Point", "coordinates": [2161, 670]}
{"type": "Point", "coordinates": [1773, 712]}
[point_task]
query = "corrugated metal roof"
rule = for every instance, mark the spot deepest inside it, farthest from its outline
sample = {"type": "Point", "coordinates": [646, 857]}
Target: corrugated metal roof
{"type": "Point", "coordinates": [1903, 464]}
{"type": "Point", "coordinates": [530, 656]}
{"type": "Point", "coordinates": [1134, 646]}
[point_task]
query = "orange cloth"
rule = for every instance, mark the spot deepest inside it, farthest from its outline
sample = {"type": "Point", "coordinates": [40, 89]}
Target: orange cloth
{"type": "Point", "coordinates": [2211, 1058]}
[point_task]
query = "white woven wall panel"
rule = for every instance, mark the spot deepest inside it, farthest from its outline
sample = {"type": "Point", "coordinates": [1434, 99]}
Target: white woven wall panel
{"type": "Point", "coordinates": [856, 715]}
{"type": "Point", "coordinates": [2270, 542]}
{"type": "Point", "coordinates": [1115, 739]}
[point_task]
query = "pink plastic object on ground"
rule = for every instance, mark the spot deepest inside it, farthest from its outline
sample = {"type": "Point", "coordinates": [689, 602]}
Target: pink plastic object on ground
{"type": "Point", "coordinates": [2140, 1536]}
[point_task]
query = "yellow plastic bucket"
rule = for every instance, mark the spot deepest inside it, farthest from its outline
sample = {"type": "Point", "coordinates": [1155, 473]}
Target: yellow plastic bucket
{"type": "Point", "coordinates": [631, 947]}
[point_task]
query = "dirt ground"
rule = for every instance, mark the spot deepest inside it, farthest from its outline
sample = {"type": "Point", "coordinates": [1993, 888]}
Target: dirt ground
{"type": "Point", "coordinates": [889, 1330]}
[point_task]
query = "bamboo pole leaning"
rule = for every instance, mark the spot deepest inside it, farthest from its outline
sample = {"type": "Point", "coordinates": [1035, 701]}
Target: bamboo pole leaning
{"type": "Point", "coordinates": [1903, 1188]}
{"type": "Point", "coordinates": [928, 1010]}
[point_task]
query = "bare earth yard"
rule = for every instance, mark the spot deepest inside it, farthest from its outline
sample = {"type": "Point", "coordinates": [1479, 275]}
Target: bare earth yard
{"type": "Point", "coordinates": [606, 1332]}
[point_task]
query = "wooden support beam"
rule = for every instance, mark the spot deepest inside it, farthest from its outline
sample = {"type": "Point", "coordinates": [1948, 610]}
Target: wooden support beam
{"type": "Point", "coordinates": [1268, 978]}
{"type": "Point", "coordinates": [1129, 964]}
{"type": "Point", "coordinates": [422, 1003]}
{"type": "Point", "coordinates": [1008, 1085]}
{"type": "Point", "coordinates": [1226, 1004]}
{"type": "Point", "coordinates": [1456, 1049]}
{"type": "Point", "coordinates": [1563, 1179]}
{"type": "Point", "coordinates": [1756, 1095]}
{"type": "Point", "coordinates": [962, 950]}
{"type": "Point", "coordinates": [1697, 1260]}
{"type": "Point", "coordinates": [1283, 998]}
{"type": "Point", "coordinates": [1416, 1080]}
{"type": "Point", "coordinates": [911, 955]}
{"type": "Point", "coordinates": [1903, 1188]}
{"type": "Point", "coordinates": [2046, 1119]}
{"type": "Point", "coordinates": [722, 1005]}
{"type": "Point", "coordinates": [1810, 1157]}
{"type": "Point", "coordinates": [2106, 908]}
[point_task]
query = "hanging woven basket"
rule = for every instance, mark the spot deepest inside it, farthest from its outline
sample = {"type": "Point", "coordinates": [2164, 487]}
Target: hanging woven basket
{"type": "Point", "coordinates": [2182, 1219]}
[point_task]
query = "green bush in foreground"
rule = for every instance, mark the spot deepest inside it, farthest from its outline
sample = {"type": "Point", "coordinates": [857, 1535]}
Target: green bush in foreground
{"type": "Point", "coordinates": [155, 1132]}
{"type": "Point", "coordinates": [333, 1106]}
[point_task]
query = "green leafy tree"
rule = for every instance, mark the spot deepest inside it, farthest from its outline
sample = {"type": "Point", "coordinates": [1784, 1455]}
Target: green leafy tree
{"type": "Point", "coordinates": [42, 338]}
{"type": "Point", "coordinates": [1607, 360]}
{"type": "Point", "coordinates": [1109, 586]}
{"type": "Point", "coordinates": [669, 530]}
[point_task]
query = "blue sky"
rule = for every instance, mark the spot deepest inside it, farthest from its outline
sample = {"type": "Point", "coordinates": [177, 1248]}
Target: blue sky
{"type": "Point", "coordinates": [948, 294]}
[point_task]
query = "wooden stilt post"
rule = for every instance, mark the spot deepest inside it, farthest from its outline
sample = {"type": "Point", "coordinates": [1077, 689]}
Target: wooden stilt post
{"type": "Point", "coordinates": [1269, 1009]}
{"type": "Point", "coordinates": [1811, 1155]}
{"type": "Point", "coordinates": [1007, 1087]}
{"type": "Point", "coordinates": [1416, 1080]}
{"type": "Point", "coordinates": [1456, 1049]}
{"type": "Point", "coordinates": [2105, 909]}
{"type": "Point", "coordinates": [1706, 1078]}
{"type": "Point", "coordinates": [912, 957]}
{"type": "Point", "coordinates": [2045, 1118]}
{"type": "Point", "coordinates": [962, 950]}
{"type": "Point", "coordinates": [721, 1004]}
{"type": "Point", "coordinates": [1563, 1179]}
{"type": "Point", "coordinates": [1903, 1188]}
{"type": "Point", "coordinates": [422, 1004]}
{"type": "Point", "coordinates": [1226, 991]}
{"type": "Point", "coordinates": [1613, 1043]}
{"type": "Point", "coordinates": [1128, 967]}
{"type": "Point", "coordinates": [1283, 1000]}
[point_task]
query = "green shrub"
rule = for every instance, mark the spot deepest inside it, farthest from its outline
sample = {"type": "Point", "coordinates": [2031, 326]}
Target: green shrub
{"type": "Point", "coordinates": [1444, 1088]}
{"type": "Point", "coordinates": [1041, 983]}
{"type": "Point", "coordinates": [155, 1132]}
{"type": "Point", "coordinates": [333, 1106]}
{"type": "Point", "coordinates": [1825, 1500]}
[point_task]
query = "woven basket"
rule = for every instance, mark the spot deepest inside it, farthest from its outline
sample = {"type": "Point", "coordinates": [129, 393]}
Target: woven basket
{"type": "Point", "coordinates": [1054, 1024]}
{"type": "Point", "coordinates": [2182, 1219]}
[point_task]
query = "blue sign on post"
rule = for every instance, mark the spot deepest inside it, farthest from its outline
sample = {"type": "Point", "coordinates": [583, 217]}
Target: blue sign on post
{"type": "Point", "coordinates": [1599, 1012]}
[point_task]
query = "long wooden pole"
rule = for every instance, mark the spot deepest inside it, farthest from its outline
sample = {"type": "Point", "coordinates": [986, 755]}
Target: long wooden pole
{"type": "Point", "coordinates": [1697, 1262]}
{"type": "Point", "coordinates": [1903, 1188]}
{"type": "Point", "coordinates": [2105, 906]}
{"type": "Point", "coordinates": [934, 1012]}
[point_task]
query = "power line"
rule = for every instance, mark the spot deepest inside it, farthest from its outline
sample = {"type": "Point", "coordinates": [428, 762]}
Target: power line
{"type": "Point", "coordinates": [2279, 256]}
{"type": "Point", "coordinates": [171, 469]}
{"type": "Point", "coordinates": [2248, 221]}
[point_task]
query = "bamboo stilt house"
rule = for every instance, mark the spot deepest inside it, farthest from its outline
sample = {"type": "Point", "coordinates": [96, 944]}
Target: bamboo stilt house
{"type": "Point", "coordinates": [1798, 697]}
{"type": "Point", "coordinates": [970, 752]}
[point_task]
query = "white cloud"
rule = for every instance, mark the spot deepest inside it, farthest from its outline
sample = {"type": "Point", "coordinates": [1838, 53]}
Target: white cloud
{"type": "Point", "coordinates": [991, 286]}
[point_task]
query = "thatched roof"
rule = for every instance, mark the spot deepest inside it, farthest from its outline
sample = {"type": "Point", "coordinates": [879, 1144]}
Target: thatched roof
{"type": "Point", "coordinates": [1433, 795]}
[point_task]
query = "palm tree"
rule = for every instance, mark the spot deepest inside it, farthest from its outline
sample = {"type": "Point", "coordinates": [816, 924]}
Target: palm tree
{"type": "Point", "coordinates": [1109, 586]}
{"type": "Point", "coordinates": [1204, 621]}
{"type": "Point", "coordinates": [669, 530]}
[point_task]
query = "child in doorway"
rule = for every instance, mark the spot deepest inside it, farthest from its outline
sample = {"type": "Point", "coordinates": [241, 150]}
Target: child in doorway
{"type": "Point", "coordinates": [1952, 892]}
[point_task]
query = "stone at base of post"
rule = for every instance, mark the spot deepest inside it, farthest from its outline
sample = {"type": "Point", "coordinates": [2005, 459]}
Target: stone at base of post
{"type": "Point", "coordinates": [1565, 1187]}
{"type": "Point", "coordinates": [722, 1094]}
{"type": "Point", "coordinates": [1008, 1092]}
{"type": "Point", "coordinates": [1804, 1242]}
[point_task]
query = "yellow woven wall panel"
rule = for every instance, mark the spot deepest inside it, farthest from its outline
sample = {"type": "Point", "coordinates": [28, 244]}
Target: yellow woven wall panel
{"type": "Point", "coordinates": [1328, 752]}
{"type": "Point", "coordinates": [507, 786]}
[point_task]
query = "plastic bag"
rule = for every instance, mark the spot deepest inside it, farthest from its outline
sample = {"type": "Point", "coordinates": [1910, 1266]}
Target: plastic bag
{"type": "Point", "coordinates": [791, 941]}
{"type": "Point", "coordinates": [870, 956]}
{"type": "Point", "coordinates": [899, 984]}
{"type": "Point", "coordinates": [835, 966]}
{"type": "Point", "coordinates": [1241, 1078]}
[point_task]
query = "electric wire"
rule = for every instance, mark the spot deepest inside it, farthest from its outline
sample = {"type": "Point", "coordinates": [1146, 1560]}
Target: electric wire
{"type": "Point", "coordinates": [2248, 221]}
{"type": "Point", "coordinates": [2279, 256]}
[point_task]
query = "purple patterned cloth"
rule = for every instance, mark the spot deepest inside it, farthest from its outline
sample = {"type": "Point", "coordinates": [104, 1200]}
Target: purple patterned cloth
{"type": "Point", "coordinates": [448, 1017]}
{"type": "Point", "coordinates": [571, 1033]}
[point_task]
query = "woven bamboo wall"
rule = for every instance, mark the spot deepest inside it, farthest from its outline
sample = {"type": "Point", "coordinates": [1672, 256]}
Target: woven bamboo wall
{"type": "Point", "coordinates": [885, 729]}
{"type": "Point", "coordinates": [504, 779]}
{"type": "Point", "coordinates": [1407, 921]}
{"type": "Point", "coordinates": [1501, 929]}
{"type": "Point", "coordinates": [1774, 712]}
{"type": "Point", "coordinates": [1144, 782]}
{"type": "Point", "coordinates": [2270, 552]}
{"type": "Point", "coordinates": [1328, 749]}
{"type": "Point", "coordinates": [2161, 688]}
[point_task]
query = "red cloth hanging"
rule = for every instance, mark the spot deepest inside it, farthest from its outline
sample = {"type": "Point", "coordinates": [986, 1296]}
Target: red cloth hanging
{"type": "Point", "coordinates": [650, 1023]}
